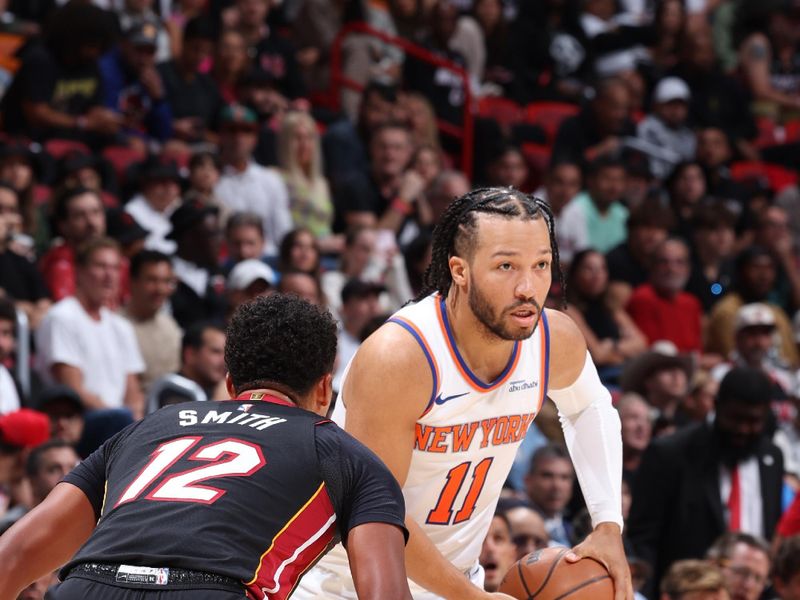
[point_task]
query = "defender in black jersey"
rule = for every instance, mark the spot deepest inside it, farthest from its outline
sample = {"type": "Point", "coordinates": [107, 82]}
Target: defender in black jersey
{"type": "Point", "coordinates": [225, 499]}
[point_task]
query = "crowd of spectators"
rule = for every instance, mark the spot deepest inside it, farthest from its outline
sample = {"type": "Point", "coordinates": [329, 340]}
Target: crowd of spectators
{"type": "Point", "coordinates": [164, 161]}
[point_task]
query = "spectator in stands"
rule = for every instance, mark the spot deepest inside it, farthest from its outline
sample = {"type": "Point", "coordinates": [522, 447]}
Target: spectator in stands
{"type": "Point", "coordinates": [498, 552]}
{"type": "Point", "coordinates": [9, 394]}
{"type": "Point", "coordinates": [665, 128]}
{"type": "Point", "coordinates": [303, 285]}
{"type": "Point", "coordinates": [231, 62]}
{"type": "Point", "coordinates": [77, 169]}
{"type": "Point", "coordinates": [138, 11]}
{"type": "Point", "coordinates": [693, 580]}
{"type": "Point", "coordinates": [388, 195]}
{"type": "Point", "coordinates": [442, 87]}
{"type": "Point", "coordinates": [257, 90]}
{"type": "Point", "coordinates": [755, 279]}
{"type": "Point", "coordinates": [417, 110]}
{"type": "Point", "coordinates": [47, 465]}
{"type": "Point", "coordinates": [786, 569]}
{"type": "Point", "coordinates": [20, 166]}
{"type": "Point", "coordinates": [19, 278]}
{"type": "Point", "coordinates": [300, 251]}
{"type": "Point", "coordinates": [345, 147]}
{"type": "Point", "coordinates": [273, 53]}
{"type": "Point", "coordinates": [244, 235]}
{"type": "Point", "coordinates": [619, 45]}
{"type": "Point", "coordinates": [78, 217]}
{"type": "Point", "coordinates": [630, 262]}
{"type": "Point", "coordinates": [599, 128]}
{"type": "Point", "coordinates": [495, 28]}
{"type": "Point", "coordinates": [446, 187]}
{"type": "Point", "coordinates": [714, 154]}
{"type": "Point", "coordinates": [199, 295]}
{"type": "Point", "coordinates": [300, 159]}
{"type": "Point", "coordinates": [202, 362]}
{"type": "Point", "coordinates": [159, 197]}
{"type": "Point", "coordinates": [637, 429]}
{"type": "Point", "coordinates": [713, 235]}
{"type": "Point", "coordinates": [687, 187]}
{"type": "Point", "coordinates": [64, 408]}
{"type": "Point", "coordinates": [773, 233]}
{"type": "Point", "coordinates": [548, 485]}
{"type": "Point", "coordinates": [728, 470]}
{"type": "Point", "coordinates": [157, 333]}
{"type": "Point", "coordinates": [599, 207]}
{"type": "Point", "coordinates": [508, 169]}
{"type": "Point", "coordinates": [661, 376]}
{"type": "Point", "coordinates": [428, 161]}
{"type": "Point", "coordinates": [699, 403]}
{"type": "Point", "coordinates": [84, 345]}
{"type": "Point", "coordinates": [193, 96]}
{"type": "Point", "coordinates": [132, 86]}
{"type": "Point", "coordinates": [123, 228]}
{"type": "Point", "coordinates": [247, 280]}
{"type": "Point", "coordinates": [717, 97]}
{"type": "Point", "coordinates": [660, 308]}
{"type": "Point", "coordinates": [58, 90]}
{"type": "Point", "coordinates": [247, 186]}
{"type": "Point", "coordinates": [563, 181]}
{"type": "Point", "coordinates": [767, 58]}
{"type": "Point", "coordinates": [744, 560]}
{"type": "Point", "coordinates": [205, 170]}
{"type": "Point", "coordinates": [611, 336]}
{"type": "Point", "coordinates": [527, 530]}
{"type": "Point", "coordinates": [359, 305]}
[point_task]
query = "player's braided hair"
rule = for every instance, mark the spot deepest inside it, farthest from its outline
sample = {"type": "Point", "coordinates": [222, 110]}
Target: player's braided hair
{"type": "Point", "coordinates": [455, 233]}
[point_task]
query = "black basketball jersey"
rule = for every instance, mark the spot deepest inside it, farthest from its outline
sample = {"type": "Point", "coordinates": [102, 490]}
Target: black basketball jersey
{"type": "Point", "coordinates": [254, 488]}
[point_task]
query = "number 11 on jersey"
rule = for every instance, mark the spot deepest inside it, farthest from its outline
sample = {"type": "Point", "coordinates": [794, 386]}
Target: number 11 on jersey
{"type": "Point", "coordinates": [443, 511]}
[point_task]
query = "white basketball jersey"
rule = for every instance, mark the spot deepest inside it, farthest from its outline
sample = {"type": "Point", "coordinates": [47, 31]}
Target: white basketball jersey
{"type": "Point", "coordinates": [467, 437]}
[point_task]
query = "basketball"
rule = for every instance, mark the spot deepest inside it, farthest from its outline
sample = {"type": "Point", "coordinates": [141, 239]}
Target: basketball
{"type": "Point", "coordinates": [546, 575]}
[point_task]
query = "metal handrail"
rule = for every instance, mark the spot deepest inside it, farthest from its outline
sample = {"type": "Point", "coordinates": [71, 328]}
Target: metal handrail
{"type": "Point", "coordinates": [465, 133]}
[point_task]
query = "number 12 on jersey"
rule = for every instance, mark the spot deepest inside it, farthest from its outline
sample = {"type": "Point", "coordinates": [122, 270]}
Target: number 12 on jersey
{"type": "Point", "coordinates": [443, 511]}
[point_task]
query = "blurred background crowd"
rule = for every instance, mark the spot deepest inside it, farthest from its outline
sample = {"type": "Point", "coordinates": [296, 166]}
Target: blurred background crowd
{"type": "Point", "coordinates": [164, 161]}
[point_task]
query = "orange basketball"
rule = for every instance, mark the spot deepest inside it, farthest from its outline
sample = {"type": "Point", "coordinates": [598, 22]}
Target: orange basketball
{"type": "Point", "coordinates": [545, 575]}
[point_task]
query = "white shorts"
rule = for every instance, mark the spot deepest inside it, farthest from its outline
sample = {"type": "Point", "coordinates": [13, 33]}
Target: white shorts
{"type": "Point", "coordinates": [321, 583]}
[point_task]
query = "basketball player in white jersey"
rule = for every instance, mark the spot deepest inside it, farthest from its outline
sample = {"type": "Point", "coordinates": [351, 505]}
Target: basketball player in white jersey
{"type": "Point", "coordinates": [445, 391]}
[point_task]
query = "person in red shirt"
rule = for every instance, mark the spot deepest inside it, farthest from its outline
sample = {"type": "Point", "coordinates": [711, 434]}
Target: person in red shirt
{"type": "Point", "coordinates": [660, 308]}
{"type": "Point", "coordinates": [79, 217]}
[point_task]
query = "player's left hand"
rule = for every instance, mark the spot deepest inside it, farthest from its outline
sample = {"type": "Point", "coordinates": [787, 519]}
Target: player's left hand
{"type": "Point", "coordinates": [605, 544]}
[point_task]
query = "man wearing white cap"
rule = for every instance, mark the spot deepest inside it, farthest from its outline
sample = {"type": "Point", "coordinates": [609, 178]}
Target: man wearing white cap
{"type": "Point", "coordinates": [665, 128]}
{"type": "Point", "coordinates": [248, 280]}
{"type": "Point", "coordinates": [757, 347]}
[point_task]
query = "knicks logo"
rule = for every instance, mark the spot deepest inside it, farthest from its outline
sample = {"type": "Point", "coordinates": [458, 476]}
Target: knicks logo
{"type": "Point", "coordinates": [496, 431]}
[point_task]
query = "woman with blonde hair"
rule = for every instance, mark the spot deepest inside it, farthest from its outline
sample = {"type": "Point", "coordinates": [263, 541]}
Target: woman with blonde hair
{"type": "Point", "coordinates": [300, 160]}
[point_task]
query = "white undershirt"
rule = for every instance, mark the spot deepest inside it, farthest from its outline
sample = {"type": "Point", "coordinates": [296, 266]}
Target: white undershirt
{"type": "Point", "coordinates": [752, 517]}
{"type": "Point", "coordinates": [9, 399]}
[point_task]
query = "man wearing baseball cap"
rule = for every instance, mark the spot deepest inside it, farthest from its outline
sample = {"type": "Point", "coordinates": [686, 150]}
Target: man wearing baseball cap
{"type": "Point", "coordinates": [247, 186]}
{"type": "Point", "coordinates": [665, 127]}
{"type": "Point", "coordinates": [757, 347]}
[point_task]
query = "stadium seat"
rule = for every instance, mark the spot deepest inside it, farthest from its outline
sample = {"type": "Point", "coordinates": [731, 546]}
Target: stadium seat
{"type": "Point", "coordinates": [121, 158]}
{"type": "Point", "coordinates": [58, 148]}
{"type": "Point", "coordinates": [538, 158]}
{"type": "Point", "coordinates": [778, 177]}
{"type": "Point", "coordinates": [549, 115]}
{"type": "Point", "coordinates": [506, 112]}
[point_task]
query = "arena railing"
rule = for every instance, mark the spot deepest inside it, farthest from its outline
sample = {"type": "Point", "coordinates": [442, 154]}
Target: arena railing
{"type": "Point", "coordinates": [463, 133]}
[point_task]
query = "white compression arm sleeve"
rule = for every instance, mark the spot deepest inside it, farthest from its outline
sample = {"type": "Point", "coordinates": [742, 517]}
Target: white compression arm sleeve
{"type": "Point", "coordinates": [592, 431]}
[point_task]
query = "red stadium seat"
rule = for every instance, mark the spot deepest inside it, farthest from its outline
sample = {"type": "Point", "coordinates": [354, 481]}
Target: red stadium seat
{"type": "Point", "coordinates": [778, 177]}
{"type": "Point", "coordinates": [549, 115]}
{"type": "Point", "coordinates": [58, 148]}
{"type": "Point", "coordinates": [41, 194]}
{"type": "Point", "coordinates": [506, 112]}
{"type": "Point", "coordinates": [538, 158]}
{"type": "Point", "coordinates": [121, 158]}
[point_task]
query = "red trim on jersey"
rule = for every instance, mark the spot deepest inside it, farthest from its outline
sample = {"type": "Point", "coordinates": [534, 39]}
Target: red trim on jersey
{"type": "Point", "coordinates": [262, 397]}
{"type": "Point", "coordinates": [295, 548]}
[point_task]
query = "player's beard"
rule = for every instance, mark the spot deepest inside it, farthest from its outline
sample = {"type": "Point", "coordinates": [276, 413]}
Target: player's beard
{"type": "Point", "coordinates": [495, 324]}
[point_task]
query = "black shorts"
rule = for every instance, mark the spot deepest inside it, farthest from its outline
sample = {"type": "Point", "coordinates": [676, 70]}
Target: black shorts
{"type": "Point", "coordinates": [79, 588]}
